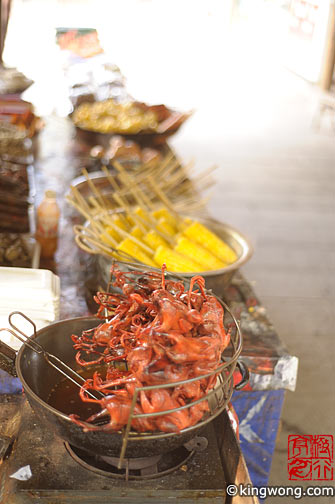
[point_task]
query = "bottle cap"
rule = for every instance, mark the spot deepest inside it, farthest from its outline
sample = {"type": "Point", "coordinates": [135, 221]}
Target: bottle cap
{"type": "Point", "coordinates": [50, 194]}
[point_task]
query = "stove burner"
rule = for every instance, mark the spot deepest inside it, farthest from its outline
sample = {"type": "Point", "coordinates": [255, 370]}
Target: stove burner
{"type": "Point", "coordinates": [132, 468]}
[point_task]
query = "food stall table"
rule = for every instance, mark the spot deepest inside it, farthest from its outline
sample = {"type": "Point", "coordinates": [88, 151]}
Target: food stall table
{"type": "Point", "coordinates": [272, 369]}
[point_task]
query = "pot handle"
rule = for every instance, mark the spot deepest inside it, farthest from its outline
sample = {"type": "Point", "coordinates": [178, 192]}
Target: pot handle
{"type": "Point", "coordinates": [243, 368]}
{"type": "Point", "coordinates": [7, 356]}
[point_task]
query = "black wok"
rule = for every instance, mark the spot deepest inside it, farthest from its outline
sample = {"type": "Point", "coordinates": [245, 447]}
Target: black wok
{"type": "Point", "coordinates": [39, 378]}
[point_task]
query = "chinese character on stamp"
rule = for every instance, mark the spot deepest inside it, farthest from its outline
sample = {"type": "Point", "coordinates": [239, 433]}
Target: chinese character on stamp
{"type": "Point", "coordinates": [310, 457]}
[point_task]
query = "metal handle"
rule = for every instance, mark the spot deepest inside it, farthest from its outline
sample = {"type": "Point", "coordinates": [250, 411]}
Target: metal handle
{"type": "Point", "coordinates": [33, 345]}
{"type": "Point", "coordinates": [243, 368]}
{"type": "Point", "coordinates": [51, 359]}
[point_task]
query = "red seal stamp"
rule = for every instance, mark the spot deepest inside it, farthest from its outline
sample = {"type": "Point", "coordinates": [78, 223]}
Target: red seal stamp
{"type": "Point", "coordinates": [310, 457]}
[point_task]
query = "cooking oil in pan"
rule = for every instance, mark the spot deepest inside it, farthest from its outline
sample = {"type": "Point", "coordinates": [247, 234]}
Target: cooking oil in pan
{"type": "Point", "coordinates": [64, 397]}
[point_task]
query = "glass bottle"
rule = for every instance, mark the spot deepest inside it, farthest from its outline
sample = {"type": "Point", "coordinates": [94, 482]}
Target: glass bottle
{"type": "Point", "coordinates": [48, 214]}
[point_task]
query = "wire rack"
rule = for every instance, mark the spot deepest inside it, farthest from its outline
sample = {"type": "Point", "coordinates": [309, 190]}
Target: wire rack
{"type": "Point", "coordinates": [217, 398]}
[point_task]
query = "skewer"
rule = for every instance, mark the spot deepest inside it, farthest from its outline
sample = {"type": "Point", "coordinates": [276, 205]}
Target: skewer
{"type": "Point", "coordinates": [95, 191]}
{"type": "Point", "coordinates": [132, 238]}
{"type": "Point", "coordinates": [80, 209]}
{"type": "Point", "coordinates": [80, 199]}
{"type": "Point", "coordinates": [163, 198]}
{"type": "Point", "coordinates": [122, 203]}
{"type": "Point", "coordinates": [137, 193]}
{"type": "Point", "coordinates": [103, 248]}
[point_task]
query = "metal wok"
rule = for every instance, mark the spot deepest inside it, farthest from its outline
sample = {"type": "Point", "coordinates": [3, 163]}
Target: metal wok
{"type": "Point", "coordinates": [38, 378]}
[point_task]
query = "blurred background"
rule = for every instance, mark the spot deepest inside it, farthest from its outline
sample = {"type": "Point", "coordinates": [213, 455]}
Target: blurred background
{"type": "Point", "coordinates": [258, 76]}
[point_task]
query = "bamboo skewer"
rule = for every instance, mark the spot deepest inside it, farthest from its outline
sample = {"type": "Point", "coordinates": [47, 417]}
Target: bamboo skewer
{"type": "Point", "coordinates": [122, 203]}
{"type": "Point", "coordinates": [138, 194]}
{"type": "Point", "coordinates": [141, 196]}
{"type": "Point", "coordinates": [163, 198]}
{"type": "Point", "coordinates": [96, 225]}
{"type": "Point", "coordinates": [95, 191]}
{"type": "Point", "coordinates": [154, 187]}
{"type": "Point", "coordinates": [112, 224]}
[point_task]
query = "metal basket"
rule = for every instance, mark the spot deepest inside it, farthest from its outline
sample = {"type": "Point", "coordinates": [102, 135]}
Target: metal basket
{"type": "Point", "coordinates": [217, 280]}
{"type": "Point", "coordinates": [217, 398]}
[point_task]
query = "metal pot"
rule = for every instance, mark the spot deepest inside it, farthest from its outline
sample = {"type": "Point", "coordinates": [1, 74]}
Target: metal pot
{"type": "Point", "coordinates": [38, 378]}
{"type": "Point", "coordinates": [216, 280]}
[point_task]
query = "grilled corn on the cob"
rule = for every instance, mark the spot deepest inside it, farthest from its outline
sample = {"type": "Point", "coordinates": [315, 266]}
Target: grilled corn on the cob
{"type": "Point", "coordinates": [191, 249]}
{"type": "Point", "coordinates": [153, 239]}
{"type": "Point", "coordinates": [199, 233]}
{"type": "Point", "coordinates": [164, 212]}
{"type": "Point", "coordinates": [135, 251]}
{"type": "Point", "coordinates": [175, 261]}
{"type": "Point", "coordinates": [164, 226]}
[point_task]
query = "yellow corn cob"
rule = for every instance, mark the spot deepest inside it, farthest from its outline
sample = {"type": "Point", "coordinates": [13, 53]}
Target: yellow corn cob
{"type": "Point", "coordinates": [175, 261]}
{"type": "Point", "coordinates": [199, 233]}
{"type": "Point", "coordinates": [187, 221]}
{"type": "Point", "coordinates": [109, 230]}
{"type": "Point", "coordinates": [130, 220]}
{"type": "Point", "coordinates": [164, 212]}
{"type": "Point", "coordinates": [165, 227]}
{"type": "Point", "coordinates": [135, 251]}
{"type": "Point", "coordinates": [107, 238]}
{"type": "Point", "coordinates": [142, 213]}
{"type": "Point", "coordinates": [120, 221]}
{"type": "Point", "coordinates": [136, 232]}
{"type": "Point", "coordinates": [153, 239]}
{"type": "Point", "coordinates": [195, 251]}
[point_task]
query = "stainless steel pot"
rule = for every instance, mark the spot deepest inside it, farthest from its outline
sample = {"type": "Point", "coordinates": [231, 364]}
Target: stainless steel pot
{"type": "Point", "coordinates": [216, 280]}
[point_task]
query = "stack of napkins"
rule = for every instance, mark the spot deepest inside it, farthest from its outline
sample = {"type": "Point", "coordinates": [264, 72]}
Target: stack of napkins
{"type": "Point", "coordinates": [34, 292]}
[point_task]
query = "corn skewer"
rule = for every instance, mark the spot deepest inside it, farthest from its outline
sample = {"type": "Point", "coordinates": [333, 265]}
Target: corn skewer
{"type": "Point", "coordinates": [136, 218]}
{"type": "Point", "coordinates": [107, 219]}
{"type": "Point", "coordinates": [199, 233]}
{"type": "Point", "coordinates": [142, 201]}
{"type": "Point", "coordinates": [175, 261]}
{"type": "Point", "coordinates": [132, 238]}
{"type": "Point", "coordinates": [93, 202]}
{"type": "Point", "coordinates": [147, 203]}
{"type": "Point", "coordinates": [164, 199]}
{"type": "Point", "coordinates": [190, 248]}
{"type": "Point", "coordinates": [119, 230]}
{"type": "Point", "coordinates": [84, 235]}
{"type": "Point", "coordinates": [164, 236]}
{"type": "Point", "coordinates": [88, 233]}
{"type": "Point", "coordinates": [211, 239]}
{"type": "Point", "coordinates": [137, 252]}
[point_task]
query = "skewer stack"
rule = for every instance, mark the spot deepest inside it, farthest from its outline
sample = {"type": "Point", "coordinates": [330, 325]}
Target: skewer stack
{"type": "Point", "coordinates": [173, 178]}
{"type": "Point", "coordinates": [148, 232]}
